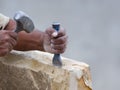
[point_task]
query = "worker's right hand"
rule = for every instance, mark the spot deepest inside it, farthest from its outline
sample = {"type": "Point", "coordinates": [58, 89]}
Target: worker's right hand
{"type": "Point", "coordinates": [8, 40]}
{"type": "Point", "coordinates": [55, 42]}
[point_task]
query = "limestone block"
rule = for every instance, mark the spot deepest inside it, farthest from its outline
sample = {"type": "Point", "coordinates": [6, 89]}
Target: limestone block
{"type": "Point", "coordinates": [33, 70]}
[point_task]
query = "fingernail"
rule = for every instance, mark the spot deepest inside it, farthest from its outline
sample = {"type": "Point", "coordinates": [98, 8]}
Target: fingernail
{"type": "Point", "coordinates": [55, 34]}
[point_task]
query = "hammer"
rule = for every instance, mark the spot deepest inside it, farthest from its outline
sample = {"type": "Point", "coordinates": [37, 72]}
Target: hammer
{"type": "Point", "coordinates": [23, 21]}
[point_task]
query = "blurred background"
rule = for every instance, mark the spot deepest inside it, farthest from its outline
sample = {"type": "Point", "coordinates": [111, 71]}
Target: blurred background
{"type": "Point", "coordinates": [93, 27]}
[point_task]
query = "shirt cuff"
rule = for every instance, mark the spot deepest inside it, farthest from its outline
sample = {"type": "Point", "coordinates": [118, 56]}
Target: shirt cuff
{"type": "Point", "coordinates": [3, 21]}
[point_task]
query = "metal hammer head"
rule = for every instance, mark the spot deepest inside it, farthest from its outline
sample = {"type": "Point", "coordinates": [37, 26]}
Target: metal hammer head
{"type": "Point", "coordinates": [24, 23]}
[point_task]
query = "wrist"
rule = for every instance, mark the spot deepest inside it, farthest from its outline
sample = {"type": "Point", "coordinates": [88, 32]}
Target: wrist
{"type": "Point", "coordinates": [41, 41]}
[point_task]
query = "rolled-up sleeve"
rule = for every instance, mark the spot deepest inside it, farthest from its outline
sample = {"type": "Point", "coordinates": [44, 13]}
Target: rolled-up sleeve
{"type": "Point", "coordinates": [3, 21]}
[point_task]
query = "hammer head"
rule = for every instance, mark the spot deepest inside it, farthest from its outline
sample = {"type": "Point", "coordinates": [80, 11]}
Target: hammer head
{"type": "Point", "coordinates": [23, 21]}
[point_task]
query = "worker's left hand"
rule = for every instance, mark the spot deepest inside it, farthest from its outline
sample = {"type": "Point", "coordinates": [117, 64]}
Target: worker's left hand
{"type": "Point", "coordinates": [8, 39]}
{"type": "Point", "coordinates": [55, 42]}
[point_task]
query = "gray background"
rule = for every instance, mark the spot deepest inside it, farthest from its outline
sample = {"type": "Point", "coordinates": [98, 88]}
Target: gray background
{"type": "Point", "coordinates": [93, 27]}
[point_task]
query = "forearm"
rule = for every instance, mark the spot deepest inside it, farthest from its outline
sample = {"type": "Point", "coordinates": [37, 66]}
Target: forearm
{"type": "Point", "coordinates": [27, 41]}
{"type": "Point", "coordinates": [30, 41]}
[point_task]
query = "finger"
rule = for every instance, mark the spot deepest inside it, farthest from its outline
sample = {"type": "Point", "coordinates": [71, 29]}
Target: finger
{"type": "Point", "coordinates": [3, 52]}
{"type": "Point", "coordinates": [3, 46]}
{"type": "Point", "coordinates": [4, 35]}
{"type": "Point", "coordinates": [4, 49]}
{"type": "Point", "coordinates": [9, 40]}
{"type": "Point", "coordinates": [53, 33]}
{"type": "Point", "coordinates": [12, 43]}
{"type": "Point", "coordinates": [59, 40]}
{"type": "Point", "coordinates": [59, 47]}
{"type": "Point", "coordinates": [4, 38]}
{"type": "Point", "coordinates": [1, 42]}
{"type": "Point", "coordinates": [49, 31]}
{"type": "Point", "coordinates": [57, 51]}
{"type": "Point", "coordinates": [61, 32]}
{"type": "Point", "coordinates": [7, 46]}
{"type": "Point", "coordinates": [13, 35]}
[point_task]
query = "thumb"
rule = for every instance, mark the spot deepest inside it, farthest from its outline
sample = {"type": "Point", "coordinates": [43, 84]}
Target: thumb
{"type": "Point", "coordinates": [11, 25]}
{"type": "Point", "coordinates": [55, 34]}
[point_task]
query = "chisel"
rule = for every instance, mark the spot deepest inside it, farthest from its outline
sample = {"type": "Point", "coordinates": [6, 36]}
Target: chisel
{"type": "Point", "coordinates": [56, 58]}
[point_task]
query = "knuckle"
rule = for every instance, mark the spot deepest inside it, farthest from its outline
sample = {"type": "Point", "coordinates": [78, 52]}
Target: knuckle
{"type": "Point", "coordinates": [60, 40]}
{"type": "Point", "coordinates": [4, 52]}
{"type": "Point", "coordinates": [13, 42]}
{"type": "Point", "coordinates": [60, 51]}
{"type": "Point", "coordinates": [49, 30]}
{"type": "Point", "coordinates": [59, 47]}
{"type": "Point", "coordinates": [7, 38]}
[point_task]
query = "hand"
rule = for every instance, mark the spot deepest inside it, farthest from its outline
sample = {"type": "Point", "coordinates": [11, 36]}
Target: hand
{"type": "Point", "coordinates": [55, 42]}
{"type": "Point", "coordinates": [8, 39]}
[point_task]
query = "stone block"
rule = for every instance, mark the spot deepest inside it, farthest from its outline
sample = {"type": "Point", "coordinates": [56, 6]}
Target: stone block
{"type": "Point", "coordinates": [33, 70]}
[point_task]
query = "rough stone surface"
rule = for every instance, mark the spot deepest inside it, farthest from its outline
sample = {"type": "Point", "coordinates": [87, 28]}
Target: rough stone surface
{"type": "Point", "coordinates": [33, 70]}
